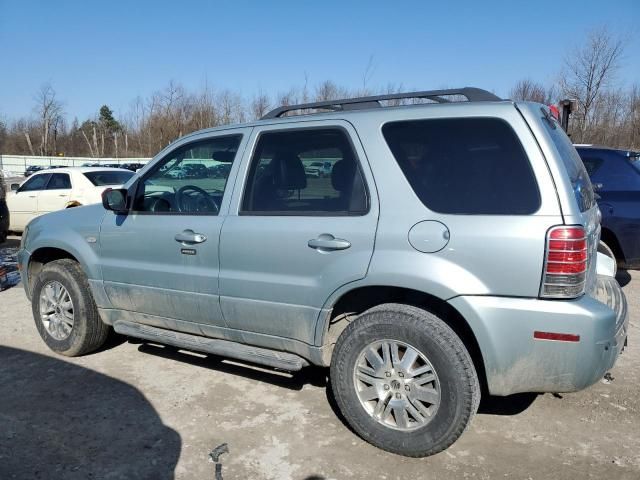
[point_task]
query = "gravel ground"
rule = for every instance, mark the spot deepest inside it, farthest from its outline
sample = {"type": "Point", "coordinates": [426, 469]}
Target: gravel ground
{"type": "Point", "coordinates": [136, 410]}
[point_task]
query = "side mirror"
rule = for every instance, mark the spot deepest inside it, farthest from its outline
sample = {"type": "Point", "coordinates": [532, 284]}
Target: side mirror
{"type": "Point", "coordinates": [15, 187]}
{"type": "Point", "coordinates": [115, 200]}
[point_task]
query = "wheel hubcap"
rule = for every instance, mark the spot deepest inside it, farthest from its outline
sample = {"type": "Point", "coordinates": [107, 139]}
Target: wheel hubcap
{"type": "Point", "coordinates": [396, 385]}
{"type": "Point", "coordinates": [56, 310]}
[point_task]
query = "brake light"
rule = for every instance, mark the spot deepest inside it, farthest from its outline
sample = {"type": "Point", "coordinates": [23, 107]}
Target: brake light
{"type": "Point", "coordinates": [565, 263]}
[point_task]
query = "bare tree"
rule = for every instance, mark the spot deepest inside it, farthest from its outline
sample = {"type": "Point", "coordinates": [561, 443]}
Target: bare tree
{"type": "Point", "coordinates": [49, 111]}
{"type": "Point", "coordinates": [589, 70]}
{"type": "Point", "coordinates": [259, 105]}
{"type": "Point", "coordinates": [527, 90]}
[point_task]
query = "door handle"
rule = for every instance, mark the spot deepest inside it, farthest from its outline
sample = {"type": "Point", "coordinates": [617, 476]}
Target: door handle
{"type": "Point", "coordinates": [326, 242]}
{"type": "Point", "coordinates": [189, 236]}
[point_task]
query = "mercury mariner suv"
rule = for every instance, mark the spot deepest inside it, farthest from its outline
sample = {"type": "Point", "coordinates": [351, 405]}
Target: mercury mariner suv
{"type": "Point", "coordinates": [452, 249]}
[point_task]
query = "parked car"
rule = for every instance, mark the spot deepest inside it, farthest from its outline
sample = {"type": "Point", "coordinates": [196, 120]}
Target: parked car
{"type": "Point", "coordinates": [195, 170]}
{"type": "Point", "coordinates": [111, 165]}
{"type": "Point", "coordinates": [485, 270]}
{"type": "Point", "coordinates": [615, 175]}
{"type": "Point", "coordinates": [220, 171]}
{"type": "Point", "coordinates": [134, 167]}
{"type": "Point", "coordinates": [4, 211]}
{"type": "Point", "coordinates": [47, 191]}
{"type": "Point", "coordinates": [32, 169]}
{"type": "Point", "coordinates": [323, 168]}
{"type": "Point", "coordinates": [312, 171]}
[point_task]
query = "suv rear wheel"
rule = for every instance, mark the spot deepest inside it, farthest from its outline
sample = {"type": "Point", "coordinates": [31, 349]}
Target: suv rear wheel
{"type": "Point", "coordinates": [404, 380]}
{"type": "Point", "coordinates": [64, 311]}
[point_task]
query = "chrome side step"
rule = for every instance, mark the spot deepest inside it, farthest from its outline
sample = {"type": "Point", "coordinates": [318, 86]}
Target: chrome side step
{"type": "Point", "coordinates": [224, 348]}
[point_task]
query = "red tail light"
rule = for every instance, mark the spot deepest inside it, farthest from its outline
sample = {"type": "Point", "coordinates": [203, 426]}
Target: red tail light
{"type": "Point", "coordinates": [565, 263]}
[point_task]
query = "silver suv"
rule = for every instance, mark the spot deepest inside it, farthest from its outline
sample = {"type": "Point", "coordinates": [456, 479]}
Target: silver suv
{"type": "Point", "coordinates": [452, 250]}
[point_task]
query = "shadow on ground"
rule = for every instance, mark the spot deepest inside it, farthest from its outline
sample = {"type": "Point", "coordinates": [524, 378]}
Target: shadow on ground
{"type": "Point", "coordinates": [63, 421]}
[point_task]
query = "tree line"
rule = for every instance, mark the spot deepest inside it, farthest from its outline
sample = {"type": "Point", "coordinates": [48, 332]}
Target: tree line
{"type": "Point", "coordinates": [607, 113]}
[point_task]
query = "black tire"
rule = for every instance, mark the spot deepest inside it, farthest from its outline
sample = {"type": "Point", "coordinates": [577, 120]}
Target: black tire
{"type": "Point", "coordinates": [89, 332]}
{"type": "Point", "coordinates": [3, 237]}
{"type": "Point", "coordinates": [447, 354]}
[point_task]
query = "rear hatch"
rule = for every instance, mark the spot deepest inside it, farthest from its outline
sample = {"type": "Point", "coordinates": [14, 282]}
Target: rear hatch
{"type": "Point", "coordinates": [578, 205]}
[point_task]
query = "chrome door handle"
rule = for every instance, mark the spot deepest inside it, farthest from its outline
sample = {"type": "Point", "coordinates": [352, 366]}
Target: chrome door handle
{"type": "Point", "coordinates": [189, 236]}
{"type": "Point", "coordinates": [327, 242]}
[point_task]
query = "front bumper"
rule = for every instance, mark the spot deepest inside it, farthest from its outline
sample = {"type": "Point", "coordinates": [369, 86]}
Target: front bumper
{"type": "Point", "coordinates": [516, 362]}
{"type": "Point", "coordinates": [23, 266]}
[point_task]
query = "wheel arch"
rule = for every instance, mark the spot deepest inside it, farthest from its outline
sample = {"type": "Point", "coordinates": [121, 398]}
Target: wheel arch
{"type": "Point", "coordinates": [360, 299]}
{"type": "Point", "coordinates": [610, 238]}
{"type": "Point", "coordinates": [40, 257]}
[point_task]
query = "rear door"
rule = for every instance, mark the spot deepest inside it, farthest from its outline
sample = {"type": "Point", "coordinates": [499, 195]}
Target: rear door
{"type": "Point", "coordinates": [56, 194]}
{"type": "Point", "coordinates": [23, 203]}
{"type": "Point", "coordinates": [292, 237]}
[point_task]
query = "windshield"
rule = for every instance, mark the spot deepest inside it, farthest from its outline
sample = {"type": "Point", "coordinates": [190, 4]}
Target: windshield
{"type": "Point", "coordinates": [107, 177]}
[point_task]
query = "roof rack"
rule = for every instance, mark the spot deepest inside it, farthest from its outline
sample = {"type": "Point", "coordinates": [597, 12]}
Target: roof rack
{"type": "Point", "coordinates": [472, 94]}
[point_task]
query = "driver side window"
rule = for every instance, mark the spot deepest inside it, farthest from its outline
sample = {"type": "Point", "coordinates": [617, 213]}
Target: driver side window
{"type": "Point", "coordinates": [190, 180]}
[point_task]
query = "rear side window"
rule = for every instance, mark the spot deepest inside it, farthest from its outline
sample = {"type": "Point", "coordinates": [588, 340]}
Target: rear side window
{"type": "Point", "coordinates": [465, 165]}
{"type": "Point", "coordinates": [580, 183]}
{"type": "Point", "coordinates": [59, 181]}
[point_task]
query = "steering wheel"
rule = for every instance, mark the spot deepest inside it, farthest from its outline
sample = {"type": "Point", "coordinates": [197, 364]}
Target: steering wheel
{"type": "Point", "coordinates": [201, 202]}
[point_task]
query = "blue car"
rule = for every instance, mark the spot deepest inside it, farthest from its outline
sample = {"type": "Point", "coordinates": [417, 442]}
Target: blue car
{"type": "Point", "coordinates": [615, 175]}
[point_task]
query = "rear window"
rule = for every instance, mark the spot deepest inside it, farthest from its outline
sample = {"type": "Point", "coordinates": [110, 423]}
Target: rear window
{"type": "Point", "coordinates": [580, 183]}
{"type": "Point", "coordinates": [107, 177]}
{"type": "Point", "coordinates": [465, 165]}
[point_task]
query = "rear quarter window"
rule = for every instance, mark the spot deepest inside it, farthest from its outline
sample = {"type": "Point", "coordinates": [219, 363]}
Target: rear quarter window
{"type": "Point", "coordinates": [474, 166]}
{"type": "Point", "coordinates": [580, 182]}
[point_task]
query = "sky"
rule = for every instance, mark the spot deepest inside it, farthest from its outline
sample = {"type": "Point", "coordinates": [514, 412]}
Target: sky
{"type": "Point", "coordinates": [97, 52]}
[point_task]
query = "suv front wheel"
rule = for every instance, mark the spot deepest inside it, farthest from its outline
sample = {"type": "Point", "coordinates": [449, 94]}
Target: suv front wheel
{"type": "Point", "coordinates": [64, 311]}
{"type": "Point", "coordinates": [404, 380]}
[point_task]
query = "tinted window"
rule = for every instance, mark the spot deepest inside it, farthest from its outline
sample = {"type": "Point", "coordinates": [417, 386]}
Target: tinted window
{"type": "Point", "coordinates": [300, 172]}
{"type": "Point", "coordinates": [108, 177]}
{"type": "Point", "coordinates": [591, 164]}
{"type": "Point", "coordinates": [465, 165]}
{"type": "Point", "coordinates": [190, 179]}
{"type": "Point", "coordinates": [36, 182]}
{"type": "Point", "coordinates": [582, 189]}
{"type": "Point", "coordinates": [59, 181]}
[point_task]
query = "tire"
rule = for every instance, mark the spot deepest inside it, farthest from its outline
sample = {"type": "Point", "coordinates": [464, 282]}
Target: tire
{"type": "Point", "coordinates": [437, 346]}
{"type": "Point", "coordinates": [87, 332]}
{"type": "Point", "coordinates": [3, 237]}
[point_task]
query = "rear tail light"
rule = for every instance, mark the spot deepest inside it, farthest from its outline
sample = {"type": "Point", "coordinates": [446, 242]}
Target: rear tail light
{"type": "Point", "coordinates": [565, 263]}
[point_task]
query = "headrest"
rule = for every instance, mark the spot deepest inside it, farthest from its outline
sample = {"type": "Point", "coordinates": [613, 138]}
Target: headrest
{"type": "Point", "coordinates": [289, 172]}
{"type": "Point", "coordinates": [342, 175]}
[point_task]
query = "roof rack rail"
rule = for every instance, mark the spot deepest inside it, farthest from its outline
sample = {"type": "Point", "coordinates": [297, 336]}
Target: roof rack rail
{"type": "Point", "coordinates": [472, 94]}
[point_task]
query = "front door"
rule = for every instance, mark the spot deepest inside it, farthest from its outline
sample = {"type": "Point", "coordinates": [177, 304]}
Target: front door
{"type": "Point", "coordinates": [23, 203]}
{"type": "Point", "coordinates": [296, 236]}
{"type": "Point", "coordinates": [160, 262]}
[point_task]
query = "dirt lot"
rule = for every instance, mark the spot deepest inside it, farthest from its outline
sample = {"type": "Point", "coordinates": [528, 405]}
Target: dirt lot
{"type": "Point", "coordinates": [141, 411]}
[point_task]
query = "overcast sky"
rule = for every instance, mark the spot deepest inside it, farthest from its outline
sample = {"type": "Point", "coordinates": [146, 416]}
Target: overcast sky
{"type": "Point", "coordinates": [109, 52]}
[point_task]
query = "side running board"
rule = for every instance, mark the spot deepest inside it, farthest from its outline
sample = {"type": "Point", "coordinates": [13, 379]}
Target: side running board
{"type": "Point", "coordinates": [224, 348]}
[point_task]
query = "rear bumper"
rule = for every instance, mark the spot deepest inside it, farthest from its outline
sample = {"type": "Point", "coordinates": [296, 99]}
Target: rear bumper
{"type": "Point", "coordinates": [516, 362]}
